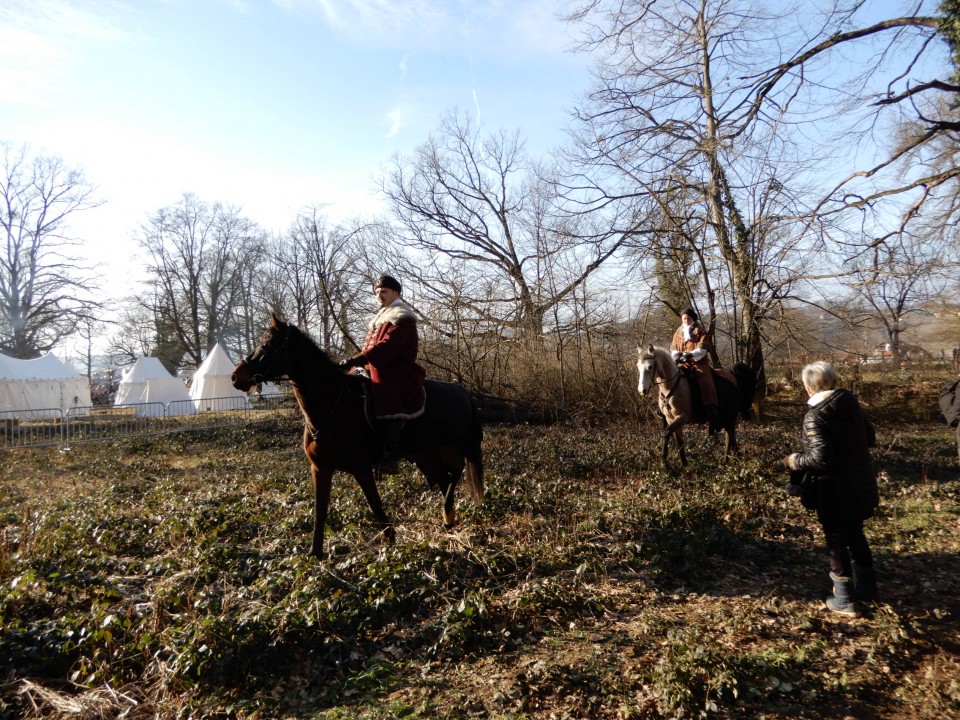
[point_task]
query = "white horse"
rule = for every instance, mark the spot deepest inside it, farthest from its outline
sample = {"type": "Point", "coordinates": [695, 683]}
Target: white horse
{"type": "Point", "coordinates": [675, 395]}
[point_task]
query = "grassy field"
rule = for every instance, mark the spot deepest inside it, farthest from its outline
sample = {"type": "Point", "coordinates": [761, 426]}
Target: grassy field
{"type": "Point", "coordinates": [165, 577]}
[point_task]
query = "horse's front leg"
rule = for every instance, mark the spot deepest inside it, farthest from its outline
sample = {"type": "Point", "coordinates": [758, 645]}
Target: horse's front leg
{"type": "Point", "coordinates": [675, 428]}
{"type": "Point", "coordinates": [681, 446]}
{"type": "Point", "coordinates": [322, 481]}
{"type": "Point", "coordinates": [666, 451]}
{"type": "Point", "coordinates": [367, 483]}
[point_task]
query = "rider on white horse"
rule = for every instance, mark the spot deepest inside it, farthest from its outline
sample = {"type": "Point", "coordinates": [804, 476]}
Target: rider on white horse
{"type": "Point", "coordinates": [691, 344]}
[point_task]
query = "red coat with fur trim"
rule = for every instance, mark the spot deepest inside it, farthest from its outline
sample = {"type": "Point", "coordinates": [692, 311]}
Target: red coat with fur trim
{"type": "Point", "coordinates": [391, 348]}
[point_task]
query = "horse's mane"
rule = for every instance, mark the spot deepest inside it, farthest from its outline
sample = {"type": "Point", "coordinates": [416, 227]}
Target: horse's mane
{"type": "Point", "coordinates": [310, 345]}
{"type": "Point", "coordinates": [665, 351]}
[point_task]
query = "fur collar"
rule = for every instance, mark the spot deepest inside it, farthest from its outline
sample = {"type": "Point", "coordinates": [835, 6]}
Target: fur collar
{"type": "Point", "coordinates": [393, 313]}
{"type": "Point", "coordinates": [819, 397]}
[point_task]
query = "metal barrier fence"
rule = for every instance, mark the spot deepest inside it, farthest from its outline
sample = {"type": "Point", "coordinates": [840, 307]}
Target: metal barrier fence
{"type": "Point", "coordinates": [53, 426]}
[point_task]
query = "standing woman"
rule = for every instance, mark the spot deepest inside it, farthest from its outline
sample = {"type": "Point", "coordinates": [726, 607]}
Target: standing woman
{"type": "Point", "coordinates": [692, 345]}
{"type": "Point", "coordinates": [837, 438]}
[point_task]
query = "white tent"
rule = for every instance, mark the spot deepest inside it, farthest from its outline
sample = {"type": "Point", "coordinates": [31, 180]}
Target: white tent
{"type": "Point", "coordinates": [268, 389]}
{"type": "Point", "coordinates": [149, 382]}
{"type": "Point", "coordinates": [212, 388]}
{"type": "Point", "coordinates": [43, 388]}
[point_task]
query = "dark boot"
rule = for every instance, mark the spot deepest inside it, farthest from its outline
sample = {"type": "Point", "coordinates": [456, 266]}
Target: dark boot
{"type": "Point", "coordinates": [842, 599]}
{"type": "Point", "coordinates": [864, 584]}
{"type": "Point", "coordinates": [390, 435]}
{"type": "Point", "coordinates": [713, 417]}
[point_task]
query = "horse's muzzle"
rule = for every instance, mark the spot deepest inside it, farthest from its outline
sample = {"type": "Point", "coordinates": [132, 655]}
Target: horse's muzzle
{"type": "Point", "coordinates": [242, 378]}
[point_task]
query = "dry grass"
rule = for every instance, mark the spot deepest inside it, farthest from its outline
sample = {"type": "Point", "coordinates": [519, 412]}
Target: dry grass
{"type": "Point", "coordinates": [165, 577]}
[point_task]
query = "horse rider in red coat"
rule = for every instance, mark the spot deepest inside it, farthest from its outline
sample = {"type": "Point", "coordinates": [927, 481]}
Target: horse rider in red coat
{"type": "Point", "coordinates": [691, 344]}
{"type": "Point", "coordinates": [389, 354]}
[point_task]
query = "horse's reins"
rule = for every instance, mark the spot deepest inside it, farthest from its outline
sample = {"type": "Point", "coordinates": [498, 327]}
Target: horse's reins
{"type": "Point", "coordinates": [312, 429]}
{"type": "Point", "coordinates": [268, 372]}
{"type": "Point", "coordinates": [672, 381]}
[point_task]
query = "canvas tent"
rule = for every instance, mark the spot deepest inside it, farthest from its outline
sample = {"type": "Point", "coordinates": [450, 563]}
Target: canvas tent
{"type": "Point", "coordinates": [268, 389]}
{"type": "Point", "coordinates": [212, 387]}
{"type": "Point", "coordinates": [43, 388]}
{"type": "Point", "coordinates": [153, 390]}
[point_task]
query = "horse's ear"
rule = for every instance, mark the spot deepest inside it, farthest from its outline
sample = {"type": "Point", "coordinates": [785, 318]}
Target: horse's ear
{"type": "Point", "coordinates": [639, 351]}
{"type": "Point", "coordinates": [274, 320]}
{"type": "Point", "coordinates": [651, 350]}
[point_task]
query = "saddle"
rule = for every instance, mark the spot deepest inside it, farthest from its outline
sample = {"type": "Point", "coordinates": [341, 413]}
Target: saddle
{"type": "Point", "coordinates": [725, 374]}
{"type": "Point", "coordinates": [366, 392]}
{"type": "Point", "coordinates": [691, 371]}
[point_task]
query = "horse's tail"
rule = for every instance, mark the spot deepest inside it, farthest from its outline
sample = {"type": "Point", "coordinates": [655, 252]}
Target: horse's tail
{"type": "Point", "coordinates": [473, 453]}
{"type": "Point", "coordinates": [746, 387]}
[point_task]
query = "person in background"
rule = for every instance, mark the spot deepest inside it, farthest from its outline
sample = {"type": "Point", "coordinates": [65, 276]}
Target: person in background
{"type": "Point", "coordinates": [837, 437]}
{"type": "Point", "coordinates": [389, 354]}
{"type": "Point", "coordinates": [691, 344]}
{"type": "Point", "coordinates": [950, 407]}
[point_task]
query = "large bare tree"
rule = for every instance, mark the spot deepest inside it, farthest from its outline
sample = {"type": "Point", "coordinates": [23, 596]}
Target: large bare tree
{"type": "Point", "coordinates": [334, 275]}
{"type": "Point", "coordinates": [896, 108]}
{"type": "Point", "coordinates": [473, 201]}
{"type": "Point", "coordinates": [316, 275]}
{"type": "Point", "coordinates": [201, 257]}
{"type": "Point", "coordinates": [45, 291]}
{"type": "Point", "coordinates": [667, 123]}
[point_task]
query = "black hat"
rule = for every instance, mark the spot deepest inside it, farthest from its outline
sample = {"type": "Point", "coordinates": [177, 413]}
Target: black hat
{"type": "Point", "coordinates": [388, 281]}
{"type": "Point", "coordinates": [689, 311]}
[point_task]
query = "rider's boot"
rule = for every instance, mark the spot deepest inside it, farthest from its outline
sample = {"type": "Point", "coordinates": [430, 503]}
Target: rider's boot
{"type": "Point", "coordinates": [390, 434]}
{"type": "Point", "coordinates": [713, 417]}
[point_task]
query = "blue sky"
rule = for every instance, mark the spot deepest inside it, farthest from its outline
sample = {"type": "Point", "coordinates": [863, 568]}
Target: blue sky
{"type": "Point", "coordinates": [272, 105]}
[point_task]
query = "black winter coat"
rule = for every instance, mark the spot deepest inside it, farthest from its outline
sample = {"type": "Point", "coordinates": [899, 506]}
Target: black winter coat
{"type": "Point", "coordinates": [836, 441]}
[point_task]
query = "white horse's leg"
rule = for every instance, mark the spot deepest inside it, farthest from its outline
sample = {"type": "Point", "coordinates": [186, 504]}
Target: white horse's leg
{"type": "Point", "coordinates": [681, 446]}
{"type": "Point", "coordinates": [675, 428]}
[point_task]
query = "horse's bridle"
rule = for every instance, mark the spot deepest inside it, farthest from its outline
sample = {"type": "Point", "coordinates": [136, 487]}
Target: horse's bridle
{"type": "Point", "coordinates": [671, 383]}
{"type": "Point", "coordinates": [267, 369]}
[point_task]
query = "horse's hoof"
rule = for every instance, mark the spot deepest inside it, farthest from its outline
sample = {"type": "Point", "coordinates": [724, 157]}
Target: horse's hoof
{"type": "Point", "coordinates": [318, 553]}
{"type": "Point", "coordinates": [451, 522]}
{"type": "Point", "coordinates": [390, 534]}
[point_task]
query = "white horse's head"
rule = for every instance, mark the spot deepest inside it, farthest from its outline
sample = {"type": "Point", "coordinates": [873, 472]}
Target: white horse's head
{"type": "Point", "coordinates": [647, 368]}
{"type": "Point", "coordinates": [653, 363]}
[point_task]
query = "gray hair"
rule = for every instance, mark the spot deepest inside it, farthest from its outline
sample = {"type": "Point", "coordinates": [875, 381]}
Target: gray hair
{"type": "Point", "coordinates": [819, 376]}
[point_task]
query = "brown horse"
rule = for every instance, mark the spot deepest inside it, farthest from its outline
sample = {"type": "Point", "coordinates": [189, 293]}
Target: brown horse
{"type": "Point", "coordinates": [657, 367]}
{"type": "Point", "coordinates": [338, 435]}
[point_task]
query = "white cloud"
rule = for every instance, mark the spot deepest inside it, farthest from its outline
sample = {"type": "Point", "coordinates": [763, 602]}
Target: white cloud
{"type": "Point", "coordinates": [395, 117]}
{"type": "Point", "coordinates": [385, 17]}
{"type": "Point", "coordinates": [498, 27]}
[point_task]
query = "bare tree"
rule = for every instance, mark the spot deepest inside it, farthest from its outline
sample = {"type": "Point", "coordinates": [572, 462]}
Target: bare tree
{"type": "Point", "coordinates": [45, 291]}
{"type": "Point", "coordinates": [897, 279]}
{"type": "Point", "coordinates": [334, 276]}
{"type": "Point", "coordinates": [318, 276]}
{"type": "Point", "coordinates": [135, 334]}
{"type": "Point", "coordinates": [466, 199]}
{"type": "Point", "coordinates": [666, 124]}
{"type": "Point", "coordinates": [200, 260]}
{"type": "Point", "coordinates": [900, 98]}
